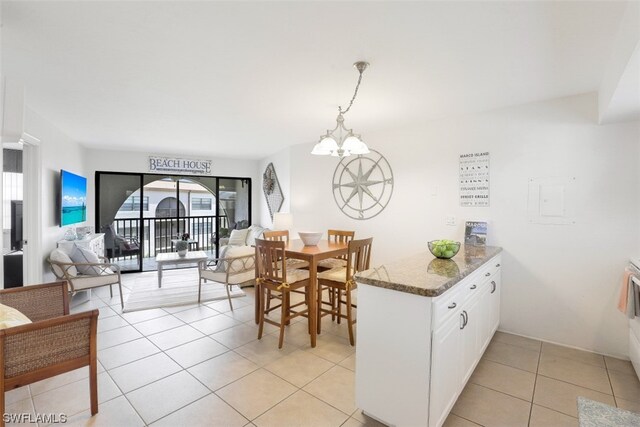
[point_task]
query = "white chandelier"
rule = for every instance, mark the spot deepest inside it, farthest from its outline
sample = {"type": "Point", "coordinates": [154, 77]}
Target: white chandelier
{"type": "Point", "coordinates": [340, 141]}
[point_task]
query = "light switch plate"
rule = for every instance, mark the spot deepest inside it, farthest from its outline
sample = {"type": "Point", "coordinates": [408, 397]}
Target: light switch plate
{"type": "Point", "coordinates": [450, 220]}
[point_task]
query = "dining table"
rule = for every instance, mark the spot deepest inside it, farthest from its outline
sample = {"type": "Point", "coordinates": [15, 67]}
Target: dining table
{"type": "Point", "coordinates": [296, 249]}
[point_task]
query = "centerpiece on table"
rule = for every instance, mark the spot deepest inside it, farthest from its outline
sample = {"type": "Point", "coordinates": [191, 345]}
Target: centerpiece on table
{"type": "Point", "coordinates": [182, 245]}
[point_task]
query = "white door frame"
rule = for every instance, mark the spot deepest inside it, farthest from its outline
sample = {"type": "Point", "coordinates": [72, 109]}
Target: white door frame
{"type": "Point", "coordinates": [32, 209]}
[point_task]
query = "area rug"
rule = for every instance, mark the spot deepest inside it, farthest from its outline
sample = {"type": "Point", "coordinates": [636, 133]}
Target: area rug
{"type": "Point", "coordinates": [170, 296]}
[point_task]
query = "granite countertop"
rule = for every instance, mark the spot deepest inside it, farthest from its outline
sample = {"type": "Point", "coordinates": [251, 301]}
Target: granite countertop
{"type": "Point", "coordinates": [425, 275]}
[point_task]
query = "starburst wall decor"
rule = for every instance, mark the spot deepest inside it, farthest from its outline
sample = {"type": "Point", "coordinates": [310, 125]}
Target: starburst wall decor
{"type": "Point", "coordinates": [363, 185]}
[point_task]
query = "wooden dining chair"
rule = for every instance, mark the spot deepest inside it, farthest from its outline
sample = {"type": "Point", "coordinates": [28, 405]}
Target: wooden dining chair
{"type": "Point", "coordinates": [273, 277]}
{"type": "Point", "coordinates": [340, 281]}
{"type": "Point", "coordinates": [337, 236]}
{"type": "Point", "coordinates": [283, 236]}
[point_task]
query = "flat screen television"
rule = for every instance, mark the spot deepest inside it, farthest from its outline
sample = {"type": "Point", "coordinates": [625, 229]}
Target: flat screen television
{"type": "Point", "coordinates": [73, 198]}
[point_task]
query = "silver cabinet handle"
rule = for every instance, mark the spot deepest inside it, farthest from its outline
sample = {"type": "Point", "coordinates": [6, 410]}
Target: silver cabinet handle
{"type": "Point", "coordinates": [493, 283]}
{"type": "Point", "coordinates": [498, 265]}
{"type": "Point", "coordinates": [466, 318]}
{"type": "Point", "coordinates": [464, 321]}
{"type": "Point", "coordinates": [487, 274]}
{"type": "Point", "coordinates": [453, 305]}
{"type": "Point", "coordinates": [473, 287]}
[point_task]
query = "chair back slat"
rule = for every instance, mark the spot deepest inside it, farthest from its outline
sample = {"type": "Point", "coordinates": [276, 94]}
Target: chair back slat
{"type": "Point", "coordinates": [358, 256]}
{"type": "Point", "coordinates": [271, 260]}
{"type": "Point", "coordinates": [340, 236]}
{"type": "Point", "coordinates": [277, 235]}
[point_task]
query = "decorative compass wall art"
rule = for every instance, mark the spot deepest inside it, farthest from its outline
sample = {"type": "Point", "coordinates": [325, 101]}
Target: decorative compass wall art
{"type": "Point", "coordinates": [272, 190]}
{"type": "Point", "coordinates": [363, 185]}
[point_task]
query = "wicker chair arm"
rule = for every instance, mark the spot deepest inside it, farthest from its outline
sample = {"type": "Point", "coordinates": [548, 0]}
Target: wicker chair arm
{"type": "Point", "coordinates": [36, 346]}
{"type": "Point", "coordinates": [102, 266]}
{"type": "Point", "coordinates": [233, 265]}
{"type": "Point", "coordinates": [38, 302]}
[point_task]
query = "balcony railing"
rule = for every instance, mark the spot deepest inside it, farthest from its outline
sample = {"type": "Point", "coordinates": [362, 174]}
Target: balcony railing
{"type": "Point", "coordinates": [159, 232]}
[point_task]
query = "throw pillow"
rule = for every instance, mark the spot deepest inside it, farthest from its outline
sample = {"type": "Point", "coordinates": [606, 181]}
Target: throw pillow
{"type": "Point", "coordinates": [238, 237]}
{"type": "Point", "coordinates": [10, 317]}
{"type": "Point", "coordinates": [255, 232]}
{"type": "Point", "coordinates": [222, 266]}
{"type": "Point", "coordinates": [241, 251]}
{"type": "Point", "coordinates": [57, 255]}
{"type": "Point", "coordinates": [82, 255]}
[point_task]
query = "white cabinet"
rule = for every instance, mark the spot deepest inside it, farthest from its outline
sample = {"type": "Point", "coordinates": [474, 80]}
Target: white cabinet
{"type": "Point", "coordinates": [479, 316]}
{"type": "Point", "coordinates": [447, 355]}
{"type": "Point", "coordinates": [472, 333]}
{"type": "Point", "coordinates": [416, 352]}
{"type": "Point", "coordinates": [94, 242]}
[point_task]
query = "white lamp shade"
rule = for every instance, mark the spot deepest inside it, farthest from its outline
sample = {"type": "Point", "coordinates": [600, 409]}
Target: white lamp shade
{"type": "Point", "coordinates": [329, 143]}
{"type": "Point", "coordinates": [354, 145]}
{"type": "Point", "coordinates": [282, 221]}
{"type": "Point", "coordinates": [320, 150]}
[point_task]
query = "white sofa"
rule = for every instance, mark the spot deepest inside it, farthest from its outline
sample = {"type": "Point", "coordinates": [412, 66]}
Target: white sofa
{"type": "Point", "coordinates": [243, 237]}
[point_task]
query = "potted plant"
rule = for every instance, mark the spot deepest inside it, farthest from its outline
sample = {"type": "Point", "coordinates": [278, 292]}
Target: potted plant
{"type": "Point", "coordinates": [182, 246]}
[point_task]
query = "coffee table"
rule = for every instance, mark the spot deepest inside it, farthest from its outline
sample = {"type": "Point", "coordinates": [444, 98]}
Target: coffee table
{"type": "Point", "coordinates": [173, 258]}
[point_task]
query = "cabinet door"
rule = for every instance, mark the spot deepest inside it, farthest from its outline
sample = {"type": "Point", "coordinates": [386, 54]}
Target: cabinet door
{"type": "Point", "coordinates": [472, 331]}
{"type": "Point", "coordinates": [494, 294]}
{"type": "Point", "coordinates": [485, 330]}
{"type": "Point", "coordinates": [446, 372]}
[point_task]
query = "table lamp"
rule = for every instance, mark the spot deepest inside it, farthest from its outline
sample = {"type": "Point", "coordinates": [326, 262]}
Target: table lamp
{"type": "Point", "coordinates": [282, 221]}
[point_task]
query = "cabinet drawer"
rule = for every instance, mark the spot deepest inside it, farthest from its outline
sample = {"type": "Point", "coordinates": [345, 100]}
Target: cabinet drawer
{"type": "Point", "coordinates": [447, 305]}
{"type": "Point", "coordinates": [490, 269]}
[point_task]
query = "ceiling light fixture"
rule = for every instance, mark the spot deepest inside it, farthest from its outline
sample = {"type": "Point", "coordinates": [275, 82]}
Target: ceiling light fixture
{"type": "Point", "coordinates": [340, 141]}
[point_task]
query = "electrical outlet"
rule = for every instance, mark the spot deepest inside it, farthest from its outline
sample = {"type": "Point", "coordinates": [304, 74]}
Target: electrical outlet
{"type": "Point", "coordinates": [450, 220]}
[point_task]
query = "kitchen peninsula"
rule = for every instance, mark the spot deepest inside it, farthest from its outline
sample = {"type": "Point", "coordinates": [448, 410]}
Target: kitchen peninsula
{"type": "Point", "coordinates": [423, 325]}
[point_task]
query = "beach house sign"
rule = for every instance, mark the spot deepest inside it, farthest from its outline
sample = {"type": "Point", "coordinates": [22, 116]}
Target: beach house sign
{"type": "Point", "coordinates": [179, 166]}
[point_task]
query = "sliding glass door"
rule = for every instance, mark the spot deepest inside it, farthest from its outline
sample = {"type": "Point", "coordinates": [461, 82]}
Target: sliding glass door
{"type": "Point", "coordinates": [120, 205]}
{"type": "Point", "coordinates": [158, 210]}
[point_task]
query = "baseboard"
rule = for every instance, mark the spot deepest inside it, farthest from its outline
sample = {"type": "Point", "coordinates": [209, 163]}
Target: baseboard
{"type": "Point", "coordinates": [617, 356]}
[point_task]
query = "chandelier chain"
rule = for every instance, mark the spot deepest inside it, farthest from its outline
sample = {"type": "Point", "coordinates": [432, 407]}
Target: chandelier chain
{"type": "Point", "coordinates": [355, 93]}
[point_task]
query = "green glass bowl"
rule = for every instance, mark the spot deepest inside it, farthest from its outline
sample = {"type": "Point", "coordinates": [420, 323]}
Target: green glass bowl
{"type": "Point", "coordinates": [443, 251]}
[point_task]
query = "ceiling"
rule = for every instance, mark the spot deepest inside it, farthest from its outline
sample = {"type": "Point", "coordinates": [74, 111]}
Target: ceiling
{"type": "Point", "coordinates": [246, 79]}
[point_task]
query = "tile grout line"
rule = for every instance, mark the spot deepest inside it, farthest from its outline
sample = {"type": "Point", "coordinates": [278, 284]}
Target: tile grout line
{"type": "Point", "coordinates": [615, 399]}
{"type": "Point", "coordinates": [535, 383]}
{"type": "Point", "coordinates": [575, 385]}
{"type": "Point", "coordinates": [127, 399]}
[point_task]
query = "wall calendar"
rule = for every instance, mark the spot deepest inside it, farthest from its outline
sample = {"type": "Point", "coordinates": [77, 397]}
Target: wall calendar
{"type": "Point", "coordinates": [474, 180]}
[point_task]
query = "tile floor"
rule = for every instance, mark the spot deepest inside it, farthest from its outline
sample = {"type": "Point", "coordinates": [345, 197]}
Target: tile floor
{"type": "Point", "coordinates": [202, 365]}
{"type": "Point", "coordinates": [524, 382]}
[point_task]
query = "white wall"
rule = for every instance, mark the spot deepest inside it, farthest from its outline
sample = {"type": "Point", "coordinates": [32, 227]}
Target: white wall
{"type": "Point", "coordinates": [560, 282]}
{"type": "Point", "coordinates": [58, 151]}
{"type": "Point", "coordinates": [127, 161]}
{"type": "Point", "coordinates": [282, 164]}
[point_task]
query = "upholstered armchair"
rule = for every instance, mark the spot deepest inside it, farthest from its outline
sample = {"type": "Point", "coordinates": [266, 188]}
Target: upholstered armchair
{"type": "Point", "coordinates": [236, 267]}
{"type": "Point", "coordinates": [54, 343]}
{"type": "Point", "coordinates": [104, 273]}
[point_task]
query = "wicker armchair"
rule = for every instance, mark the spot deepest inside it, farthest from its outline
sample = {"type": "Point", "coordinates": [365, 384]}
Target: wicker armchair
{"type": "Point", "coordinates": [56, 342]}
{"type": "Point", "coordinates": [109, 274]}
{"type": "Point", "coordinates": [236, 270]}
